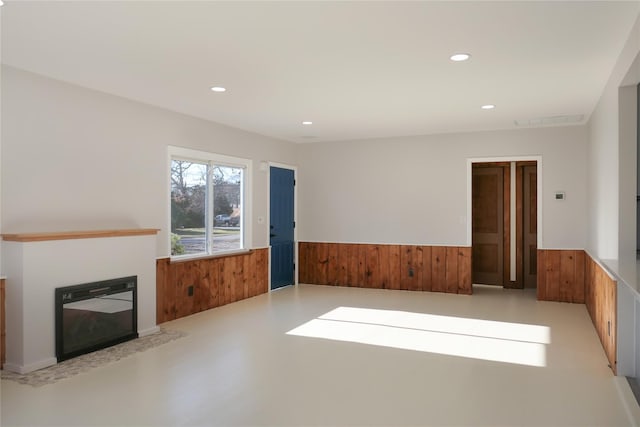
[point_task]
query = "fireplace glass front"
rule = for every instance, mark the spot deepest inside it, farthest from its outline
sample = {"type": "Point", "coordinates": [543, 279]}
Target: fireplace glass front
{"type": "Point", "coordinates": [95, 315]}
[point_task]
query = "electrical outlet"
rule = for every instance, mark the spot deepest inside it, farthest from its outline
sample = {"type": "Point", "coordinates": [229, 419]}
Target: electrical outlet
{"type": "Point", "coordinates": [190, 291]}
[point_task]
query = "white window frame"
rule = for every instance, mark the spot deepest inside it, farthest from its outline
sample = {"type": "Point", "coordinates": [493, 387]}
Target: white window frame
{"type": "Point", "coordinates": [180, 153]}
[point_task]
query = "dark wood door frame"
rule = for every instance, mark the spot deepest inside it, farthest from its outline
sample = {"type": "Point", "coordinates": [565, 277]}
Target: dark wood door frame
{"type": "Point", "coordinates": [524, 169]}
{"type": "Point", "coordinates": [519, 283]}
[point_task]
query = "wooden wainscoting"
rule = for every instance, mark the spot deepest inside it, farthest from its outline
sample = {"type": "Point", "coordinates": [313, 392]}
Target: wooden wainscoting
{"type": "Point", "coordinates": [561, 275]}
{"type": "Point", "coordinates": [403, 267]}
{"type": "Point", "coordinates": [3, 327]}
{"type": "Point", "coordinates": [190, 286]}
{"type": "Point", "coordinates": [601, 301]}
{"type": "Point", "coordinates": [573, 276]}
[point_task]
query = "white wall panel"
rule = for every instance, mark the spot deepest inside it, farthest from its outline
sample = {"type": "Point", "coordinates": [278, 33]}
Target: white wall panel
{"type": "Point", "coordinates": [413, 190]}
{"type": "Point", "coordinates": [77, 159]}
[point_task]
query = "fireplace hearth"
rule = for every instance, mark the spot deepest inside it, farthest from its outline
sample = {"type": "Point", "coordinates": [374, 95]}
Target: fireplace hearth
{"type": "Point", "coordinates": [96, 315]}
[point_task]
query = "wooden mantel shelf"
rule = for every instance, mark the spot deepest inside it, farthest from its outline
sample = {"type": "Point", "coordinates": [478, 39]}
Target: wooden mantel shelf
{"type": "Point", "coordinates": [68, 235]}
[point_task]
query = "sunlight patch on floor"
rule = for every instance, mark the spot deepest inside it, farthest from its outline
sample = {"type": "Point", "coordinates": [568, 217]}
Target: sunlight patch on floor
{"type": "Point", "coordinates": [506, 342]}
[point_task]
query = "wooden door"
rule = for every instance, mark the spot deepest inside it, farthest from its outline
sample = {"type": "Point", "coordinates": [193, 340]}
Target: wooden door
{"type": "Point", "coordinates": [530, 220]}
{"type": "Point", "coordinates": [282, 224]}
{"type": "Point", "coordinates": [487, 225]}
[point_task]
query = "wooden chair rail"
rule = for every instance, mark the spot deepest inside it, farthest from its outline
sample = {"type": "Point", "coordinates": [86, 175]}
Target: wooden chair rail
{"type": "Point", "coordinates": [69, 235]}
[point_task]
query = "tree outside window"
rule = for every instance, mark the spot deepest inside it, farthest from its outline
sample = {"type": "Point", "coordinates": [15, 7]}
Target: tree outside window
{"type": "Point", "coordinates": [206, 207]}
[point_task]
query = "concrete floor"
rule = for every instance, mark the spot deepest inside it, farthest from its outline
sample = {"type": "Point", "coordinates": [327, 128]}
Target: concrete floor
{"type": "Point", "coordinates": [317, 355]}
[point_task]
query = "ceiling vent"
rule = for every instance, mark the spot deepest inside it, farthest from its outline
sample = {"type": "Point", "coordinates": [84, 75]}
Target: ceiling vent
{"type": "Point", "coordinates": [550, 121]}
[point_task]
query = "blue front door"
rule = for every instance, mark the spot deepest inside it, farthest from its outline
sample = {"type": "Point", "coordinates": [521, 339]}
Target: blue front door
{"type": "Point", "coordinates": [281, 227]}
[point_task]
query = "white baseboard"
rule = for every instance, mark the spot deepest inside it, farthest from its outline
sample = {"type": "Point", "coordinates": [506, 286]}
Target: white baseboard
{"type": "Point", "coordinates": [25, 369]}
{"type": "Point", "coordinates": [148, 331]}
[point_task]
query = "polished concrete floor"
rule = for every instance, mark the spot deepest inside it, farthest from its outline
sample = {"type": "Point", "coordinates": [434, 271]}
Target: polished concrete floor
{"type": "Point", "coordinates": [317, 355]}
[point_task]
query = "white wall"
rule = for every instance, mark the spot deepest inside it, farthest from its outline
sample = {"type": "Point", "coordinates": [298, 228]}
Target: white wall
{"type": "Point", "coordinates": [605, 152]}
{"type": "Point", "coordinates": [603, 179]}
{"type": "Point", "coordinates": [76, 159]}
{"type": "Point", "coordinates": [35, 269]}
{"type": "Point", "coordinates": [613, 161]}
{"type": "Point", "coordinates": [413, 190]}
{"type": "Point", "coordinates": [627, 179]}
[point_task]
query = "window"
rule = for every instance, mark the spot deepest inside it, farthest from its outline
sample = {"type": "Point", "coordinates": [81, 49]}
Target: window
{"type": "Point", "coordinates": [208, 209]}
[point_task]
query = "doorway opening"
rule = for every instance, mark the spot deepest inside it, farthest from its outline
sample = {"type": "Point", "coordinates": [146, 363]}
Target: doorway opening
{"type": "Point", "coordinates": [504, 223]}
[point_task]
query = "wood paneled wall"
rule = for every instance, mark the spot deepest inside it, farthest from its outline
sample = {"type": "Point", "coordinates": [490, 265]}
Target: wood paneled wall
{"type": "Point", "coordinates": [190, 286]}
{"type": "Point", "coordinates": [3, 327]}
{"type": "Point", "coordinates": [405, 267]}
{"type": "Point", "coordinates": [601, 301]}
{"type": "Point", "coordinates": [573, 276]}
{"type": "Point", "coordinates": [561, 275]}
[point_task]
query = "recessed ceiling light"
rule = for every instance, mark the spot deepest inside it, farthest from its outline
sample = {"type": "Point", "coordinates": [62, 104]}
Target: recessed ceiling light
{"type": "Point", "coordinates": [459, 57]}
{"type": "Point", "coordinates": [1, 3]}
{"type": "Point", "coordinates": [488, 107]}
{"type": "Point", "coordinates": [307, 123]}
{"type": "Point", "coordinates": [218, 89]}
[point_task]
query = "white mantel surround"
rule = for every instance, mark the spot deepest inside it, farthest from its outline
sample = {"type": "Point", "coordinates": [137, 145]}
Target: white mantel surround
{"type": "Point", "coordinates": [37, 263]}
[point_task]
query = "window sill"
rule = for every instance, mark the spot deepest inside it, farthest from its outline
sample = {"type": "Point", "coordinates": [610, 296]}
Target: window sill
{"type": "Point", "coordinates": [198, 257]}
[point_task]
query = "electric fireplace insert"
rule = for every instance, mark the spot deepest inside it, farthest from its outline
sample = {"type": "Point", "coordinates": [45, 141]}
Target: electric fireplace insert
{"type": "Point", "coordinates": [92, 316]}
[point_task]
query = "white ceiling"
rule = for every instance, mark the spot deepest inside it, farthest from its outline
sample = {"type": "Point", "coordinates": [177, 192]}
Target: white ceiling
{"type": "Point", "coordinates": [356, 69]}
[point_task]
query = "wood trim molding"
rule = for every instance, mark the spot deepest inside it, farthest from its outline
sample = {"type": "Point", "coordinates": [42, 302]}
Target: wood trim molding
{"type": "Point", "coordinates": [69, 235]}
